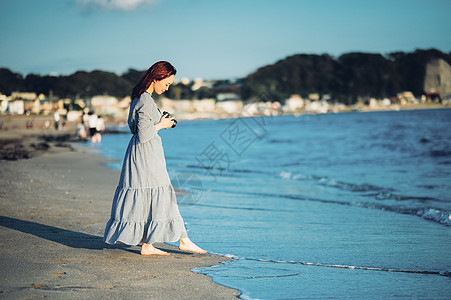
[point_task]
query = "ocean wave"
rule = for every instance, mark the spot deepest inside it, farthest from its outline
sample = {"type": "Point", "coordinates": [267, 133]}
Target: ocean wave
{"type": "Point", "coordinates": [330, 182]}
{"type": "Point", "coordinates": [436, 215]}
{"type": "Point", "coordinates": [229, 170]}
{"type": "Point", "coordinates": [232, 256]}
{"type": "Point", "coordinates": [384, 195]}
{"type": "Point", "coordinates": [364, 189]}
{"type": "Point", "coordinates": [352, 187]}
{"type": "Point", "coordinates": [412, 205]}
{"type": "Point", "coordinates": [446, 273]}
{"type": "Point", "coordinates": [431, 214]}
{"type": "Point", "coordinates": [241, 207]}
{"type": "Point", "coordinates": [439, 153]}
{"type": "Point", "coordinates": [367, 268]}
{"type": "Point", "coordinates": [280, 141]}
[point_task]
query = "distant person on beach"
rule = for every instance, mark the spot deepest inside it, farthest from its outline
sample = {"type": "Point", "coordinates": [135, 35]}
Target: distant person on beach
{"type": "Point", "coordinates": [144, 206]}
{"type": "Point", "coordinates": [84, 120]}
{"type": "Point", "coordinates": [81, 129]}
{"type": "Point", "coordinates": [56, 119]}
{"type": "Point", "coordinates": [92, 124]}
{"type": "Point", "coordinates": [29, 124]}
{"type": "Point", "coordinates": [100, 126]}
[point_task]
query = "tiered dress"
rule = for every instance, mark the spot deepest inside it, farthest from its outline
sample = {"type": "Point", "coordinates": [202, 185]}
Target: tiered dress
{"type": "Point", "coordinates": [144, 205]}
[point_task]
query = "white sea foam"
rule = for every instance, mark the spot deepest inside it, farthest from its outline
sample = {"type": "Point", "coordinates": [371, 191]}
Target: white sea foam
{"type": "Point", "coordinates": [245, 297]}
{"type": "Point", "coordinates": [231, 256]}
{"type": "Point", "coordinates": [338, 266]}
{"type": "Point", "coordinates": [436, 215]}
{"type": "Point", "coordinates": [299, 176]}
{"type": "Point", "coordinates": [285, 175]}
{"type": "Point", "coordinates": [225, 255]}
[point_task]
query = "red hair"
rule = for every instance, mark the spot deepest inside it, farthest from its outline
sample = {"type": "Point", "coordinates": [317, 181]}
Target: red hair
{"type": "Point", "coordinates": [158, 71]}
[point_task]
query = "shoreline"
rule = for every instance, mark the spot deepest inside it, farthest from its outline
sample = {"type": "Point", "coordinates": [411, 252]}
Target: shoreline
{"type": "Point", "coordinates": [54, 209]}
{"type": "Point", "coordinates": [13, 123]}
{"type": "Point", "coordinates": [354, 108]}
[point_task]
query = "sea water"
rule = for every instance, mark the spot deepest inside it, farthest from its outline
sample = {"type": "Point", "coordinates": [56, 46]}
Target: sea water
{"type": "Point", "coordinates": [339, 206]}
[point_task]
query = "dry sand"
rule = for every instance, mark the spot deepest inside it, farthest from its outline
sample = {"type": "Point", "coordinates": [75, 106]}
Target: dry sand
{"type": "Point", "coordinates": [53, 209]}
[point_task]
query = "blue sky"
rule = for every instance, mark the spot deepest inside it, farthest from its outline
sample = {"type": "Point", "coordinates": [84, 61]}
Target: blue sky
{"type": "Point", "coordinates": [208, 38]}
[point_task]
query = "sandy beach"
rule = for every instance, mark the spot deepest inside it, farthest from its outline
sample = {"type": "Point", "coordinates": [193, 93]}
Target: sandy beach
{"type": "Point", "coordinates": [54, 207]}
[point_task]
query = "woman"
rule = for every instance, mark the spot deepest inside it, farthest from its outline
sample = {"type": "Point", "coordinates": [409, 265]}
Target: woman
{"type": "Point", "coordinates": [100, 127]}
{"type": "Point", "coordinates": [144, 205]}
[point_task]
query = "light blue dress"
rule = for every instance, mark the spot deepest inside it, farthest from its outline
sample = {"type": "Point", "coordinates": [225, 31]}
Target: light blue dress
{"type": "Point", "coordinates": [144, 205]}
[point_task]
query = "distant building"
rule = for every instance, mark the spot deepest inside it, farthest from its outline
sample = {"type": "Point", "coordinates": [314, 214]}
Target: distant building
{"type": "Point", "coordinates": [229, 103]}
{"type": "Point", "coordinates": [124, 106]}
{"type": "Point", "coordinates": [3, 103]}
{"type": "Point", "coordinates": [47, 106]}
{"type": "Point", "coordinates": [227, 97]}
{"type": "Point", "coordinates": [204, 105]}
{"type": "Point", "coordinates": [318, 107]}
{"type": "Point", "coordinates": [437, 80]}
{"type": "Point", "coordinates": [314, 96]}
{"type": "Point", "coordinates": [23, 96]}
{"type": "Point", "coordinates": [184, 81]}
{"type": "Point", "coordinates": [294, 103]}
{"type": "Point", "coordinates": [406, 97]}
{"type": "Point", "coordinates": [199, 83]}
{"type": "Point", "coordinates": [105, 105]}
{"type": "Point", "coordinates": [16, 107]}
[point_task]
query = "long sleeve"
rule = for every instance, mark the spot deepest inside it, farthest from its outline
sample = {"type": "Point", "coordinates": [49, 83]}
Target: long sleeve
{"type": "Point", "coordinates": [145, 125]}
{"type": "Point", "coordinates": [144, 115]}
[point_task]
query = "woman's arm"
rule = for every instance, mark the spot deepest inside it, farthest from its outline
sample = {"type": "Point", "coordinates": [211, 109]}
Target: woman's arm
{"type": "Point", "coordinates": [164, 123]}
{"type": "Point", "coordinates": [146, 130]}
{"type": "Point", "coordinates": [147, 111]}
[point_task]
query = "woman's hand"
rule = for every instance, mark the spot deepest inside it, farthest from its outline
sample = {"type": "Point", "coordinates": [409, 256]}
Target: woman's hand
{"type": "Point", "coordinates": [164, 123]}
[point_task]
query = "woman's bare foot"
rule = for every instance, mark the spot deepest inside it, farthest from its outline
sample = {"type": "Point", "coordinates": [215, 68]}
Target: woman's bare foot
{"type": "Point", "coordinates": [187, 245]}
{"type": "Point", "coordinates": [149, 249]}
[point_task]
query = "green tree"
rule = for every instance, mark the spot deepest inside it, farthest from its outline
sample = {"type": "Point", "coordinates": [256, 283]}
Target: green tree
{"type": "Point", "coordinates": [10, 82]}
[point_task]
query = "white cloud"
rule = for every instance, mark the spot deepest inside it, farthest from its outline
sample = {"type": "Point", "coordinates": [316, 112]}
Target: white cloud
{"type": "Point", "coordinates": [112, 4]}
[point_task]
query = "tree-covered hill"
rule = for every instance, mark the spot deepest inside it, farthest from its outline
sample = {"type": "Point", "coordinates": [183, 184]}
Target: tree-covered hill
{"type": "Point", "coordinates": [79, 84]}
{"type": "Point", "coordinates": [344, 78]}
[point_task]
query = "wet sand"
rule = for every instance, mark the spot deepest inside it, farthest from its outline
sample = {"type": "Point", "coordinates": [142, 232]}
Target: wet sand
{"type": "Point", "coordinates": [53, 209]}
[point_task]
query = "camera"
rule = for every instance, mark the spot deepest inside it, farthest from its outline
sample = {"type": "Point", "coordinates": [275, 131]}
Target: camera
{"type": "Point", "coordinates": [168, 115]}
